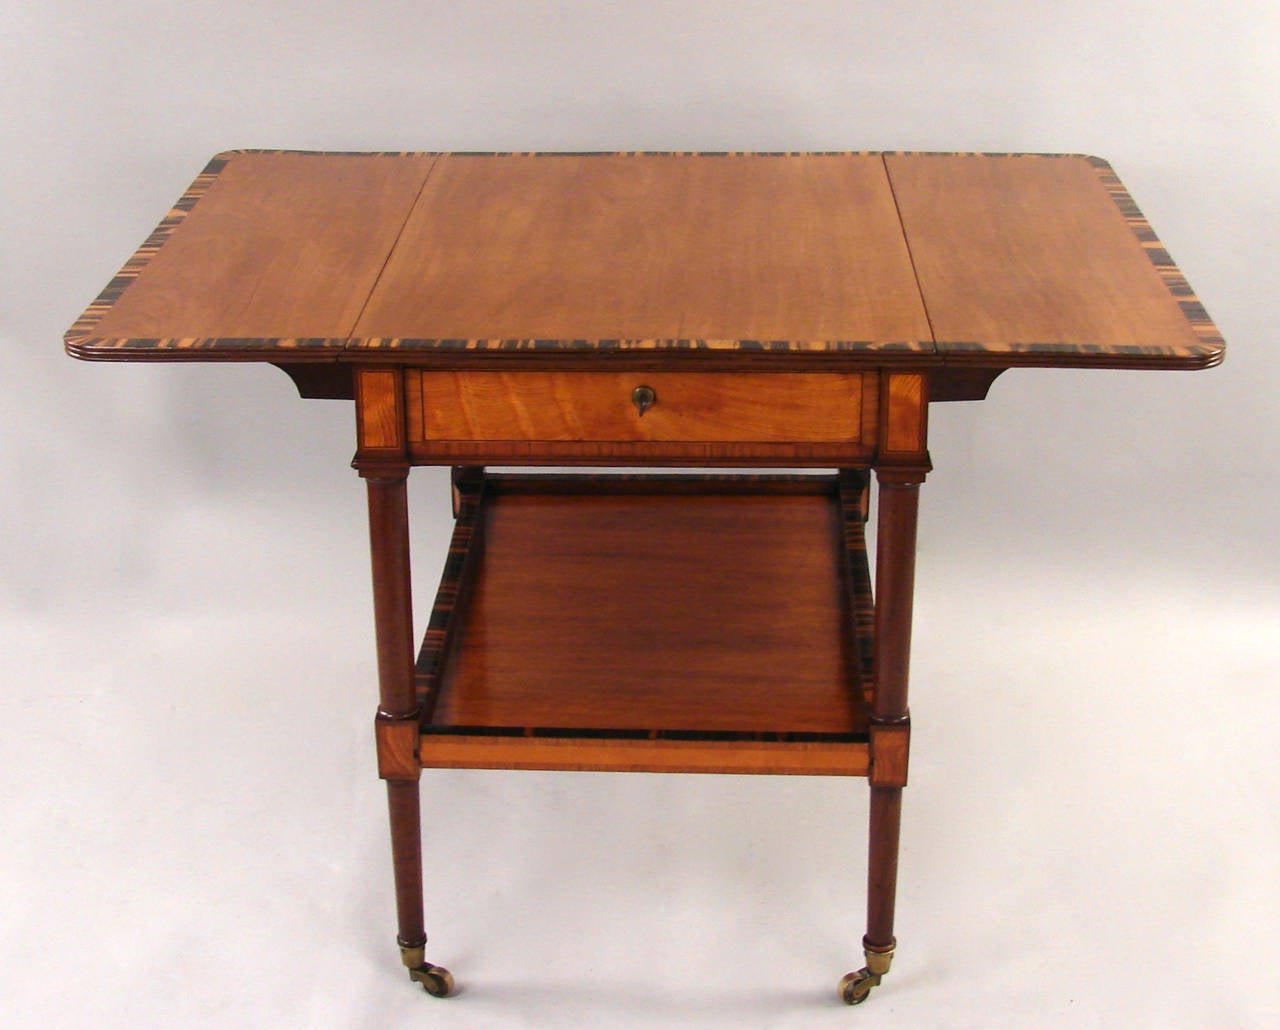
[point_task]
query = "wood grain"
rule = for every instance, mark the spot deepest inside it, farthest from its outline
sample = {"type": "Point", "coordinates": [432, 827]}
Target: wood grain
{"type": "Point", "coordinates": [897, 514]}
{"type": "Point", "coordinates": [671, 756]}
{"type": "Point", "coordinates": [649, 247]}
{"type": "Point", "coordinates": [406, 857]}
{"type": "Point", "coordinates": [882, 866]}
{"type": "Point", "coordinates": [582, 406]}
{"type": "Point", "coordinates": [890, 747]}
{"type": "Point", "coordinates": [379, 410]}
{"type": "Point", "coordinates": [392, 593]}
{"type": "Point", "coordinates": [659, 612]}
{"type": "Point", "coordinates": [905, 409]}
{"type": "Point", "coordinates": [397, 741]}
{"type": "Point", "coordinates": [1031, 254]}
{"type": "Point", "coordinates": [282, 246]}
{"type": "Point", "coordinates": [781, 261]}
{"type": "Point", "coordinates": [643, 452]}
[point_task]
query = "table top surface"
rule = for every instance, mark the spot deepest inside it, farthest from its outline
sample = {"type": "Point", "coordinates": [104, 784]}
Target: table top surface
{"type": "Point", "coordinates": [987, 260]}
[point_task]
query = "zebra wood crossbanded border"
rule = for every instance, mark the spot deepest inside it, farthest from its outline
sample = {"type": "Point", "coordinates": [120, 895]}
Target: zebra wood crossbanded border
{"type": "Point", "coordinates": [80, 339]}
{"type": "Point", "coordinates": [142, 315]}
{"type": "Point", "coordinates": [1210, 338]}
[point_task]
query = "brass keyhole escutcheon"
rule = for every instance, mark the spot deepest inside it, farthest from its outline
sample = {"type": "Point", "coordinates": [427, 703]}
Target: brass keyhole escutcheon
{"type": "Point", "coordinates": [643, 398]}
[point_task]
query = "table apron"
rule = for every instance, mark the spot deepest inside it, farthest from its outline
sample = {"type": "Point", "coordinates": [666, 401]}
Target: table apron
{"type": "Point", "coordinates": [418, 416]}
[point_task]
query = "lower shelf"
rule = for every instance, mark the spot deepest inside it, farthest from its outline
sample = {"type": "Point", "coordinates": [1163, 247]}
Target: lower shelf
{"type": "Point", "coordinates": [651, 623]}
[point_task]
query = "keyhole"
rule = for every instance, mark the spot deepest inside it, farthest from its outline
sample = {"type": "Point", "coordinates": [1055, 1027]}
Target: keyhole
{"type": "Point", "coordinates": [643, 398]}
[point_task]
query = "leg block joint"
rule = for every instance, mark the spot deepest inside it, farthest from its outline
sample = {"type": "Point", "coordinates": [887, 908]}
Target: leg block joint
{"type": "Point", "coordinates": [397, 738]}
{"type": "Point", "coordinates": [890, 748]}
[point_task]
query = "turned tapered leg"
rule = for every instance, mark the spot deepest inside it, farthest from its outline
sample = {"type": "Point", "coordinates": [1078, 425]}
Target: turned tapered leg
{"type": "Point", "coordinates": [890, 723]}
{"type": "Point", "coordinates": [392, 592]}
{"type": "Point", "coordinates": [406, 860]}
{"type": "Point", "coordinates": [397, 719]}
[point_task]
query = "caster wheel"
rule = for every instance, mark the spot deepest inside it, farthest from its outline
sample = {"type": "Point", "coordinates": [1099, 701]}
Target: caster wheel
{"type": "Point", "coordinates": [436, 980]}
{"type": "Point", "coordinates": [855, 988]}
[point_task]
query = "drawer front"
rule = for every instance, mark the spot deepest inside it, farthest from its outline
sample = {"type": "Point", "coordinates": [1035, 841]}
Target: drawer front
{"type": "Point", "coordinates": [589, 409]}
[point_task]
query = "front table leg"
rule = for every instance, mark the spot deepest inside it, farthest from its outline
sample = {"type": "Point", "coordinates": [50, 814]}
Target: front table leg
{"type": "Point", "coordinates": [890, 723]}
{"type": "Point", "coordinates": [397, 719]}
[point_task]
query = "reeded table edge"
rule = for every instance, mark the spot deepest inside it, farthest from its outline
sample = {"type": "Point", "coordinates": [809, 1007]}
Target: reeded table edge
{"type": "Point", "coordinates": [80, 341]}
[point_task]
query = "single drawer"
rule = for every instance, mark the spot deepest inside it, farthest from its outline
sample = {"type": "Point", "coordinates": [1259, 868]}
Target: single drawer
{"type": "Point", "coordinates": [691, 418]}
{"type": "Point", "coordinates": [639, 407]}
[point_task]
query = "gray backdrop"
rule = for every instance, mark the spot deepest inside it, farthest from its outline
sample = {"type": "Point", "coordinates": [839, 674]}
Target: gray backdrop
{"type": "Point", "coordinates": [193, 831]}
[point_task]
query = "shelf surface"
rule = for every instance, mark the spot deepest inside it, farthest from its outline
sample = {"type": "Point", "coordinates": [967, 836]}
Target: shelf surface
{"type": "Point", "coordinates": [658, 613]}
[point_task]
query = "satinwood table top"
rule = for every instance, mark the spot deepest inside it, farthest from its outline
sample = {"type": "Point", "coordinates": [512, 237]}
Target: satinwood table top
{"type": "Point", "coordinates": [981, 260]}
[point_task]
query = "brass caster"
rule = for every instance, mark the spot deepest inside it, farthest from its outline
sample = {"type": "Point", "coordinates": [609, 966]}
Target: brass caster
{"type": "Point", "coordinates": [436, 980]}
{"type": "Point", "coordinates": [855, 988]}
